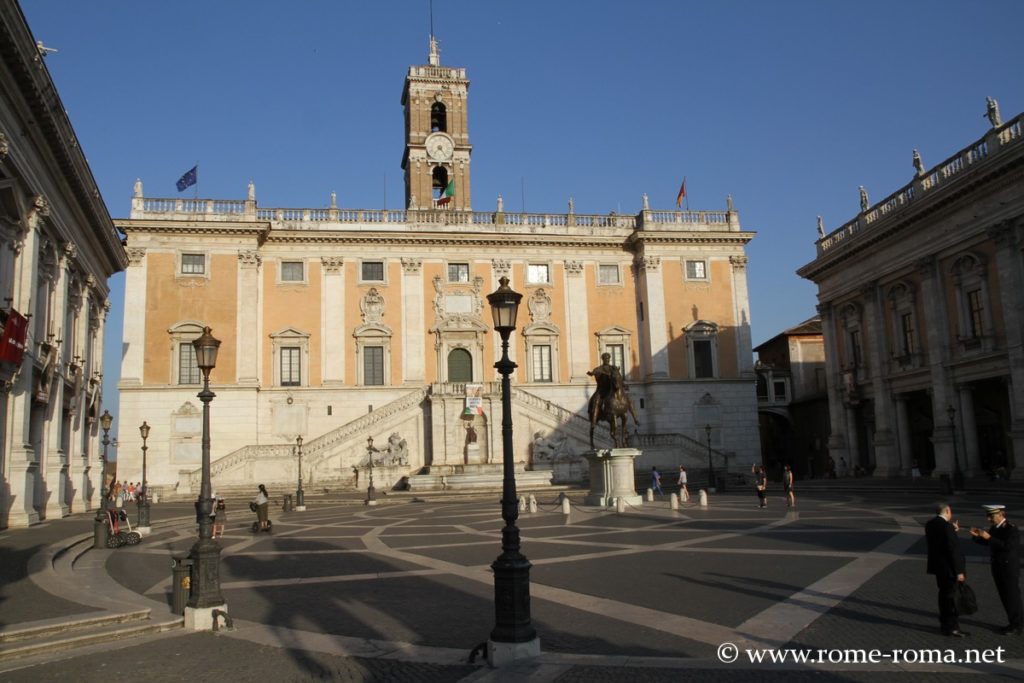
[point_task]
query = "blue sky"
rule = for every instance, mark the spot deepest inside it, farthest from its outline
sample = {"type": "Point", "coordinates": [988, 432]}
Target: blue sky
{"type": "Point", "coordinates": [788, 105]}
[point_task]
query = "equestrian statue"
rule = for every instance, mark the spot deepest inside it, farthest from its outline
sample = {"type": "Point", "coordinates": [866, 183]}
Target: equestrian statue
{"type": "Point", "coordinates": [610, 402]}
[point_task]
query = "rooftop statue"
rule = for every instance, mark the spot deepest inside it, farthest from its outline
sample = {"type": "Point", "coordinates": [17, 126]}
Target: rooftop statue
{"type": "Point", "coordinates": [821, 227]}
{"type": "Point", "coordinates": [992, 112]}
{"type": "Point", "coordinates": [918, 164]}
{"type": "Point", "coordinates": [864, 199]}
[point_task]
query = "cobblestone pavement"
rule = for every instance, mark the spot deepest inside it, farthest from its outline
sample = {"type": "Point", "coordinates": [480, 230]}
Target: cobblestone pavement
{"type": "Point", "coordinates": [404, 591]}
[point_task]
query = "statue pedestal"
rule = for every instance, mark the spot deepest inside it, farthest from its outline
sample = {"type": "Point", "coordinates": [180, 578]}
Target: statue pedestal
{"type": "Point", "coordinates": [473, 456]}
{"type": "Point", "coordinates": [611, 476]}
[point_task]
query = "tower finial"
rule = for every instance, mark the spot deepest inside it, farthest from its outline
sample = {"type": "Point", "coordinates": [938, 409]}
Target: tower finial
{"type": "Point", "coordinates": [435, 54]}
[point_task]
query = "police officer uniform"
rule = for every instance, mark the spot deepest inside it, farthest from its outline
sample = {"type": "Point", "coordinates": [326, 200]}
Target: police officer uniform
{"type": "Point", "coordinates": [1004, 546]}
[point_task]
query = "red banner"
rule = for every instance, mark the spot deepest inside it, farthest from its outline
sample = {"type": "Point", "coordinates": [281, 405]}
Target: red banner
{"type": "Point", "coordinates": [12, 343]}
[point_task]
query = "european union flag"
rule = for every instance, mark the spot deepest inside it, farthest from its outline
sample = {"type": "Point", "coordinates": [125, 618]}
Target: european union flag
{"type": "Point", "coordinates": [190, 178]}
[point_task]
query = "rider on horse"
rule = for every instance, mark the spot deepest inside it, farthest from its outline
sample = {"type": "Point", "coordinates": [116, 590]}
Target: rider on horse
{"type": "Point", "coordinates": [605, 374]}
{"type": "Point", "coordinates": [610, 401]}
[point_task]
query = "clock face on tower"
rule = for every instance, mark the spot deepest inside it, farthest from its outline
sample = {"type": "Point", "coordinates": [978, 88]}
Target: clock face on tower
{"type": "Point", "coordinates": [439, 147]}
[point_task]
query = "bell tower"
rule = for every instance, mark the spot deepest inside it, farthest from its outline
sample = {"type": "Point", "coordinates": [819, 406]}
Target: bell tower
{"type": "Point", "coordinates": [437, 149]}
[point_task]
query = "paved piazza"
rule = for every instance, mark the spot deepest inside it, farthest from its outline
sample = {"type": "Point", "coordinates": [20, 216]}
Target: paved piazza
{"type": "Point", "coordinates": [403, 591]}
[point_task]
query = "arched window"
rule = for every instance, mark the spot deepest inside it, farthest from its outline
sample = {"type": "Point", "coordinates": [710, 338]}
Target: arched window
{"type": "Point", "coordinates": [440, 181]}
{"type": "Point", "coordinates": [460, 366]}
{"type": "Point", "coordinates": [438, 117]}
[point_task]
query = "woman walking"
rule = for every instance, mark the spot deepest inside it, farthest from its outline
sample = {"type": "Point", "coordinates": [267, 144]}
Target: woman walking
{"type": "Point", "coordinates": [787, 485]}
{"type": "Point", "coordinates": [262, 503]}
{"type": "Point", "coordinates": [684, 492]}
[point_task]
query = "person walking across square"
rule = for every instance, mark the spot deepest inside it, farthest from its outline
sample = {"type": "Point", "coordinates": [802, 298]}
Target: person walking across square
{"type": "Point", "coordinates": [787, 486]}
{"type": "Point", "coordinates": [684, 491]}
{"type": "Point", "coordinates": [656, 481]}
{"type": "Point", "coordinates": [761, 484]}
{"type": "Point", "coordinates": [1003, 541]}
{"type": "Point", "coordinates": [946, 563]}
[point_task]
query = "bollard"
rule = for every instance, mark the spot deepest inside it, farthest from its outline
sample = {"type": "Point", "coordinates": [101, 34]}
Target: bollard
{"type": "Point", "coordinates": [673, 501]}
{"type": "Point", "coordinates": [650, 496]}
{"type": "Point", "coordinates": [620, 505]}
{"type": "Point", "coordinates": [156, 498]}
{"type": "Point", "coordinates": [703, 498]}
{"type": "Point", "coordinates": [522, 503]}
{"type": "Point", "coordinates": [286, 503]}
{"type": "Point", "coordinates": [566, 508]}
{"type": "Point", "coordinates": [533, 503]}
{"type": "Point", "coordinates": [181, 582]}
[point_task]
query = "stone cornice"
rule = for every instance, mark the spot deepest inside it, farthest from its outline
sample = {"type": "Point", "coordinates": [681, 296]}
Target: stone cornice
{"type": "Point", "coordinates": [258, 228]}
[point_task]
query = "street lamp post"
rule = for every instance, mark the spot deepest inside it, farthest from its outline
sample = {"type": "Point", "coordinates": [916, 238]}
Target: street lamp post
{"type": "Point", "coordinates": [958, 475]}
{"type": "Point", "coordinates": [371, 493]}
{"type": "Point", "coordinates": [100, 528]}
{"type": "Point", "coordinates": [513, 636]}
{"type": "Point", "coordinates": [204, 594]}
{"type": "Point", "coordinates": [300, 495]}
{"type": "Point", "coordinates": [143, 497]}
{"type": "Point", "coordinates": [711, 467]}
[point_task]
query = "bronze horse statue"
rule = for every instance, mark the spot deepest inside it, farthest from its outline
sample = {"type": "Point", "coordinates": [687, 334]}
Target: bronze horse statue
{"type": "Point", "coordinates": [612, 407]}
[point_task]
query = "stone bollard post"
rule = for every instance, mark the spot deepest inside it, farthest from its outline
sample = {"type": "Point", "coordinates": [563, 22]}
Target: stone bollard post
{"type": "Point", "coordinates": [522, 503]}
{"type": "Point", "coordinates": [620, 505]}
{"type": "Point", "coordinates": [566, 509]}
{"type": "Point", "coordinates": [673, 501]}
{"type": "Point", "coordinates": [533, 503]}
{"type": "Point", "coordinates": [650, 496]}
{"type": "Point", "coordinates": [703, 498]}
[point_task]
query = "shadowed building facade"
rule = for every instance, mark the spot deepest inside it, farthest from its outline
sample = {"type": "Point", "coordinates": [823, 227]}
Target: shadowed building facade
{"type": "Point", "coordinates": [341, 323]}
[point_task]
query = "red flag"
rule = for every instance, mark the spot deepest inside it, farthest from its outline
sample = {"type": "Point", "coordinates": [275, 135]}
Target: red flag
{"type": "Point", "coordinates": [682, 193]}
{"type": "Point", "coordinates": [12, 343]}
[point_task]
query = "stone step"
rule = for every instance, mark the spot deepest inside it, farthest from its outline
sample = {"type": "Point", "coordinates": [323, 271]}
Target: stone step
{"type": "Point", "coordinates": [484, 481]}
{"type": "Point", "coordinates": [76, 633]}
{"type": "Point", "coordinates": [46, 627]}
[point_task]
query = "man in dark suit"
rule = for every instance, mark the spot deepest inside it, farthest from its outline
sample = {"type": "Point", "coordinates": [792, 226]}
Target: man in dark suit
{"type": "Point", "coordinates": [1003, 541]}
{"type": "Point", "coordinates": [946, 563]}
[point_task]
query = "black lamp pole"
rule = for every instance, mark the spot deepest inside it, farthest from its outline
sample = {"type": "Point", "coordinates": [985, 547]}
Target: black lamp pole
{"type": "Point", "coordinates": [711, 467]}
{"type": "Point", "coordinates": [958, 475]}
{"type": "Point", "coordinates": [100, 528]}
{"type": "Point", "coordinates": [143, 518]}
{"type": "Point", "coordinates": [371, 493]}
{"type": "Point", "coordinates": [300, 495]}
{"type": "Point", "coordinates": [205, 554]}
{"type": "Point", "coordinates": [511, 568]}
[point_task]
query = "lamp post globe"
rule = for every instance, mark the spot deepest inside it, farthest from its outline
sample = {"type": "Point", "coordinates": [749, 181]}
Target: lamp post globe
{"type": "Point", "coordinates": [204, 591]}
{"type": "Point", "coordinates": [143, 497]}
{"type": "Point", "coordinates": [513, 635]}
{"type": "Point", "coordinates": [100, 527]}
{"type": "Point", "coordinates": [300, 495]}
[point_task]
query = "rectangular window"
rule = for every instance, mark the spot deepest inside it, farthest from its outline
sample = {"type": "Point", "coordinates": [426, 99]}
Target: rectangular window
{"type": "Point", "coordinates": [703, 365]}
{"type": "Point", "coordinates": [188, 370]}
{"type": "Point", "coordinates": [537, 273]}
{"type": "Point", "coordinates": [976, 310]}
{"type": "Point", "coordinates": [907, 325]}
{"type": "Point", "coordinates": [696, 270]}
{"type": "Point", "coordinates": [373, 365]}
{"type": "Point", "coordinates": [292, 271]}
{"type": "Point", "coordinates": [608, 274]}
{"type": "Point", "coordinates": [542, 363]}
{"type": "Point", "coordinates": [373, 271]}
{"type": "Point", "coordinates": [193, 264]}
{"type": "Point", "coordinates": [780, 390]}
{"type": "Point", "coordinates": [291, 370]}
{"type": "Point", "coordinates": [458, 272]}
{"type": "Point", "coordinates": [618, 352]}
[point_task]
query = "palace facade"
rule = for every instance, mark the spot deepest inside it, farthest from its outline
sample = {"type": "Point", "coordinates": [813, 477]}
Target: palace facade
{"type": "Point", "coordinates": [58, 247]}
{"type": "Point", "coordinates": [340, 324]}
{"type": "Point", "coordinates": [922, 307]}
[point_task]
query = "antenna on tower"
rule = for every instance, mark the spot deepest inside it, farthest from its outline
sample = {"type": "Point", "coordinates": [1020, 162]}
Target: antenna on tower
{"type": "Point", "coordinates": [435, 56]}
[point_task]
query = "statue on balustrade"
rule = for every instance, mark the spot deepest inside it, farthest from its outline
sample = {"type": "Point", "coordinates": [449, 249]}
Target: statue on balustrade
{"type": "Point", "coordinates": [863, 199]}
{"type": "Point", "coordinates": [992, 112]}
{"type": "Point", "coordinates": [918, 164]}
{"type": "Point", "coordinates": [821, 228]}
{"type": "Point", "coordinates": [610, 402]}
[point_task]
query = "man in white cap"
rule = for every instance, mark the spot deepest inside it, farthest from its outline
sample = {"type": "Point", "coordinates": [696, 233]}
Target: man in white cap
{"type": "Point", "coordinates": [946, 563]}
{"type": "Point", "coordinates": [1003, 541]}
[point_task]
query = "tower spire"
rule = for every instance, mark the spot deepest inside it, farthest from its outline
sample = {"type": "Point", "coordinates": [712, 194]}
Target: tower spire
{"type": "Point", "coordinates": [435, 54]}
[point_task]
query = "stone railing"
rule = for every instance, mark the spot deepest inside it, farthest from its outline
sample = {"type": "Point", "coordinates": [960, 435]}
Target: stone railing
{"type": "Point", "coordinates": [688, 445]}
{"type": "Point", "coordinates": [565, 418]}
{"type": "Point", "coordinates": [995, 142]}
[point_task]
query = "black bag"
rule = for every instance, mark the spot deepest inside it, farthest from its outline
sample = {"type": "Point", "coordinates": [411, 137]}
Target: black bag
{"type": "Point", "coordinates": [252, 506]}
{"type": "Point", "coordinates": [966, 600]}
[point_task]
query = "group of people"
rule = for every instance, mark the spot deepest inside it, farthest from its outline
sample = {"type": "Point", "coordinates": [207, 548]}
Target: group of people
{"type": "Point", "coordinates": [761, 486]}
{"type": "Point", "coordinates": [947, 564]}
{"type": "Point", "coordinates": [684, 492]}
{"type": "Point", "coordinates": [124, 492]}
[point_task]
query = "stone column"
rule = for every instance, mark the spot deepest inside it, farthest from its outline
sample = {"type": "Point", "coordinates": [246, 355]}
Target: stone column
{"type": "Point", "coordinates": [55, 464]}
{"type": "Point", "coordinates": [886, 455]}
{"type": "Point", "coordinates": [654, 344]}
{"type": "Point", "coordinates": [579, 324]}
{"type": "Point", "coordinates": [1009, 241]}
{"type": "Point", "coordinates": [334, 333]}
{"type": "Point", "coordinates": [837, 446]}
{"type": "Point", "coordinates": [248, 314]}
{"type": "Point", "coordinates": [936, 324]}
{"type": "Point", "coordinates": [903, 431]}
{"type": "Point", "coordinates": [970, 453]}
{"type": "Point", "coordinates": [852, 438]}
{"type": "Point", "coordinates": [413, 330]}
{"type": "Point", "coordinates": [741, 314]}
{"type": "Point", "coordinates": [134, 337]}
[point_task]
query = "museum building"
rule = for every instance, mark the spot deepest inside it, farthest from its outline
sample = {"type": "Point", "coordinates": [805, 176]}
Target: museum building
{"type": "Point", "coordinates": [340, 324]}
{"type": "Point", "coordinates": [920, 297]}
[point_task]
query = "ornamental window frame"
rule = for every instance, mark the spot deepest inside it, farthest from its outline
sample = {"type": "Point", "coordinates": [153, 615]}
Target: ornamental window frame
{"type": "Point", "coordinates": [179, 334]}
{"type": "Point", "coordinates": [535, 336]}
{"type": "Point", "coordinates": [906, 352]}
{"type": "Point", "coordinates": [179, 264]}
{"type": "Point", "coordinates": [372, 335]}
{"type": "Point", "coordinates": [290, 337]}
{"type": "Point", "coordinates": [604, 267]}
{"type": "Point", "coordinates": [530, 281]}
{"type": "Point", "coordinates": [701, 331]}
{"type": "Point", "coordinates": [458, 264]}
{"type": "Point", "coordinates": [301, 262]}
{"type": "Point", "coordinates": [617, 336]}
{"type": "Point", "coordinates": [383, 267]}
{"type": "Point", "coordinates": [703, 264]}
{"type": "Point", "coordinates": [970, 280]}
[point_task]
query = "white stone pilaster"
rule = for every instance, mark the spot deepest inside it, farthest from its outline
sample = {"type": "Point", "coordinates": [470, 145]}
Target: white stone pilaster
{"type": "Point", "coordinates": [579, 321]}
{"type": "Point", "coordinates": [837, 446]}
{"type": "Point", "coordinates": [134, 336]}
{"type": "Point", "coordinates": [1009, 240]}
{"type": "Point", "coordinates": [413, 362]}
{"type": "Point", "coordinates": [54, 459]}
{"type": "Point", "coordinates": [936, 326]}
{"type": "Point", "coordinates": [248, 331]}
{"type": "Point", "coordinates": [741, 313]}
{"type": "Point", "coordinates": [903, 433]}
{"type": "Point", "coordinates": [655, 323]}
{"type": "Point", "coordinates": [886, 456]}
{"type": "Point", "coordinates": [971, 453]}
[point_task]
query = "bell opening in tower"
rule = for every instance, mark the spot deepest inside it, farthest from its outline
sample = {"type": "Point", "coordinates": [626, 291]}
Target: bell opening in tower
{"type": "Point", "coordinates": [439, 184]}
{"type": "Point", "coordinates": [438, 118]}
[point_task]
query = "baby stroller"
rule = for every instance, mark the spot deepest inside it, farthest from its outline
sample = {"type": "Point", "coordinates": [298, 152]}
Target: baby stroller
{"type": "Point", "coordinates": [116, 519]}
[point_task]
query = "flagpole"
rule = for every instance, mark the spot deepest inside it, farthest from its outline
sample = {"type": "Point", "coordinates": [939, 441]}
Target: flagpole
{"type": "Point", "coordinates": [686, 195]}
{"type": "Point", "coordinates": [196, 196]}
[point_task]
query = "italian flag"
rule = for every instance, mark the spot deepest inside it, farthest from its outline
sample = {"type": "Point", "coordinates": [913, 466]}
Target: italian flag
{"type": "Point", "coordinates": [447, 195]}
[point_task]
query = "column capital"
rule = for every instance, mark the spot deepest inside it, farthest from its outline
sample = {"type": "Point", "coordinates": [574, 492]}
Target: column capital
{"type": "Point", "coordinates": [411, 265]}
{"type": "Point", "coordinates": [651, 263]}
{"type": "Point", "coordinates": [501, 266]}
{"type": "Point", "coordinates": [332, 264]}
{"type": "Point", "coordinates": [739, 262]}
{"type": "Point", "coordinates": [135, 255]}
{"type": "Point", "coordinates": [574, 268]}
{"type": "Point", "coordinates": [249, 258]}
